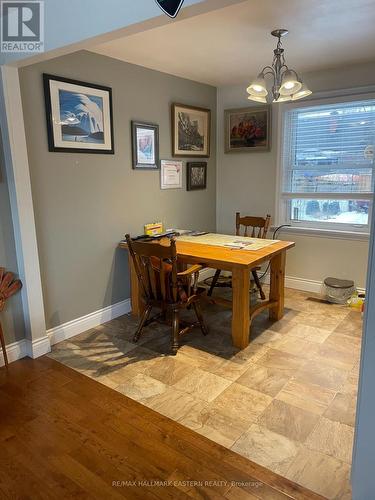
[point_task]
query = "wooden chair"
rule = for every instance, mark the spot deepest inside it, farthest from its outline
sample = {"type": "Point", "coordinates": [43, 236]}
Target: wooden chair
{"type": "Point", "coordinates": [8, 287]}
{"type": "Point", "coordinates": [163, 287]}
{"type": "Point", "coordinates": [254, 227]}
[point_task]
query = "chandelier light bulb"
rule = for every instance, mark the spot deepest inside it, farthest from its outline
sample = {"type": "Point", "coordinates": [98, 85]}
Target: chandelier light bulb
{"type": "Point", "coordinates": [290, 83]}
{"type": "Point", "coordinates": [258, 87]}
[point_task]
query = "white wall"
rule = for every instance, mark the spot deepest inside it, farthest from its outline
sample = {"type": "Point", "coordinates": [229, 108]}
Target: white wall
{"type": "Point", "coordinates": [247, 183]}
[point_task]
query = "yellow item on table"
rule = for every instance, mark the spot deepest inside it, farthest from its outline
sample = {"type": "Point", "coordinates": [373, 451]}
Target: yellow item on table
{"type": "Point", "coordinates": [153, 229]}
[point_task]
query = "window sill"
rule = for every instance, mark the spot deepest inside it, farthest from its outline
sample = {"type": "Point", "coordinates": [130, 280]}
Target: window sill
{"type": "Point", "coordinates": [324, 233]}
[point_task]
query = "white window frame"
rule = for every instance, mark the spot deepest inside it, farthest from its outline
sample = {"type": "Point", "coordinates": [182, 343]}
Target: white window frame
{"type": "Point", "coordinates": [352, 231]}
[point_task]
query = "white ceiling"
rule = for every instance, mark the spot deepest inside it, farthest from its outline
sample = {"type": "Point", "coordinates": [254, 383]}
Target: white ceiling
{"type": "Point", "coordinates": [231, 45]}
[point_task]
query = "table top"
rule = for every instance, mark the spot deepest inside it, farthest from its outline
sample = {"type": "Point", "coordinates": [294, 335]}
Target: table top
{"type": "Point", "coordinates": [225, 258]}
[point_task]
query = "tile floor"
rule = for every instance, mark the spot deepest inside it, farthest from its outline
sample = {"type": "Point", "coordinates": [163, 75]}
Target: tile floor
{"type": "Point", "coordinates": [286, 402]}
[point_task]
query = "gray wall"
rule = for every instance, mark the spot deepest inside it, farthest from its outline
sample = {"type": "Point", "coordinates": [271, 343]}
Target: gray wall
{"type": "Point", "coordinates": [84, 203]}
{"type": "Point", "coordinates": [12, 317]}
{"type": "Point", "coordinates": [247, 183]}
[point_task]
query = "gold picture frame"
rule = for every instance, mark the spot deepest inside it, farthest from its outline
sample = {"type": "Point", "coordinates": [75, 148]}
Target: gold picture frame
{"type": "Point", "coordinates": [248, 129]}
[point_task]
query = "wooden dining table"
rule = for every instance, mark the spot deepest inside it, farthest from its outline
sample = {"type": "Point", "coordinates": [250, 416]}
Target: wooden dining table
{"type": "Point", "coordinates": [239, 262]}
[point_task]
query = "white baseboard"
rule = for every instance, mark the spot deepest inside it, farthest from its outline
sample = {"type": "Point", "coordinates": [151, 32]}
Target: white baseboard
{"type": "Point", "coordinates": [80, 325]}
{"type": "Point", "coordinates": [15, 351]}
{"type": "Point", "coordinates": [38, 347]}
{"type": "Point", "coordinates": [42, 346]}
{"type": "Point", "coordinates": [24, 348]}
{"type": "Point", "coordinates": [303, 284]}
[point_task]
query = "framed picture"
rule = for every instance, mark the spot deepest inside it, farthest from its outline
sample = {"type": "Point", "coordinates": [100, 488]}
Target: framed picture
{"type": "Point", "coordinates": [248, 129]}
{"type": "Point", "coordinates": [191, 130]}
{"type": "Point", "coordinates": [171, 174]}
{"type": "Point", "coordinates": [79, 116]}
{"type": "Point", "coordinates": [145, 139]}
{"type": "Point", "coordinates": [196, 176]}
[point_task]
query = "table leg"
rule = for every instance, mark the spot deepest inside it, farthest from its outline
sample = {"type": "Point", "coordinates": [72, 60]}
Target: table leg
{"type": "Point", "coordinates": [137, 303]}
{"type": "Point", "coordinates": [241, 305]}
{"type": "Point", "coordinates": [277, 285]}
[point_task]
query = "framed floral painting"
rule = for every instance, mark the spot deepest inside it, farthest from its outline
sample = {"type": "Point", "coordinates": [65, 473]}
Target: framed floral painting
{"type": "Point", "coordinates": [248, 129]}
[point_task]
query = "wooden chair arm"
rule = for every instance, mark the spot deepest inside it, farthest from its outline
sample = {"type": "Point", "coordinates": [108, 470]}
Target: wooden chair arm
{"type": "Point", "coordinates": [191, 277]}
{"type": "Point", "coordinates": [192, 270]}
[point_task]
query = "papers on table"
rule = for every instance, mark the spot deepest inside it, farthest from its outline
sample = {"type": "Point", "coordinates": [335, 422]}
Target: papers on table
{"type": "Point", "coordinates": [226, 240]}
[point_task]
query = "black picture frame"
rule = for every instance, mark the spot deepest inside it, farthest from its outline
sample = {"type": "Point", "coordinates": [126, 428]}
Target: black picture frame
{"type": "Point", "coordinates": [137, 162]}
{"type": "Point", "coordinates": [55, 145]}
{"type": "Point", "coordinates": [193, 184]}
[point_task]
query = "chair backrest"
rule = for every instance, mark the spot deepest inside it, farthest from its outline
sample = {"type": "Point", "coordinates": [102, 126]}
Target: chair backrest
{"type": "Point", "coordinates": [156, 268]}
{"type": "Point", "coordinates": [255, 227]}
{"type": "Point", "coordinates": [8, 286]}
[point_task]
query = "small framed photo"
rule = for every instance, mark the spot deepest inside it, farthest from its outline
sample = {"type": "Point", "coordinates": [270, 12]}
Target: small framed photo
{"type": "Point", "coordinates": [248, 129]}
{"type": "Point", "coordinates": [79, 116]}
{"type": "Point", "coordinates": [171, 174]}
{"type": "Point", "coordinates": [145, 141]}
{"type": "Point", "coordinates": [191, 131]}
{"type": "Point", "coordinates": [196, 176]}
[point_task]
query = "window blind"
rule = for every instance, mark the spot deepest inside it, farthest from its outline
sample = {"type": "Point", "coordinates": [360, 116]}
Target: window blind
{"type": "Point", "coordinates": [329, 149]}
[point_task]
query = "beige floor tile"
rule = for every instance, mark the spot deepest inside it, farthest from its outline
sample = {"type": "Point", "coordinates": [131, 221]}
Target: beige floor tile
{"type": "Point", "coordinates": [264, 379]}
{"type": "Point", "coordinates": [342, 409]}
{"type": "Point", "coordinates": [310, 333]}
{"type": "Point", "coordinates": [265, 337]}
{"type": "Point", "coordinates": [281, 360]}
{"type": "Point", "coordinates": [179, 406]}
{"type": "Point", "coordinates": [298, 347]}
{"type": "Point", "coordinates": [169, 369]}
{"type": "Point", "coordinates": [326, 321]}
{"type": "Point", "coordinates": [220, 422]}
{"type": "Point", "coordinates": [289, 421]}
{"type": "Point", "coordinates": [321, 373]}
{"type": "Point", "coordinates": [199, 357]}
{"type": "Point", "coordinates": [335, 357]}
{"type": "Point", "coordinates": [267, 448]}
{"type": "Point", "coordinates": [332, 438]}
{"type": "Point", "coordinates": [231, 370]}
{"type": "Point", "coordinates": [345, 342]}
{"type": "Point", "coordinates": [142, 387]}
{"type": "Point", "coordinates": [309, 397]}
{"type": "Point", "coordinates": [215, 436]}
{"type": "Point", "coordinates": [320, 473]}
{"type": "Point", "coordinates": [240, 403]}
{"type": "Point", "coordinates": [202, 384]}
{"type": "Point", "coordinates": [283, 326]}
{"type": "Point", "coordinates": [351, 325]}
{"type": "Point", "coordinates": [251, 354]}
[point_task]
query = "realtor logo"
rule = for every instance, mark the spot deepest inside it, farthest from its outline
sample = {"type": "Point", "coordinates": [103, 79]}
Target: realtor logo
{"type": "Point", "coordinates": [22, 26]}
{"type": "Point", "coordinates": [170, 7]}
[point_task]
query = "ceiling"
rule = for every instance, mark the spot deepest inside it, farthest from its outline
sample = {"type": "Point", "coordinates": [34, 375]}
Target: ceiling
{"type": "Point", "coordinates": [230, 45]}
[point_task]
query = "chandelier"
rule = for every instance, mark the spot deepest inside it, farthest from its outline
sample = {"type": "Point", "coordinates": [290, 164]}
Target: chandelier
{"type": "Point", "coordinates": [287, 85]}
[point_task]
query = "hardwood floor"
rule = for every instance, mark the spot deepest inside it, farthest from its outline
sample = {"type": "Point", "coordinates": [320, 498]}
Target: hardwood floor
{"type": "Point", "coordinates": [64, 435]}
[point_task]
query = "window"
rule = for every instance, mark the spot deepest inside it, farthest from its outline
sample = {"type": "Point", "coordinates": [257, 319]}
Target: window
{"type": "Point", "coordinates": [327, 166]}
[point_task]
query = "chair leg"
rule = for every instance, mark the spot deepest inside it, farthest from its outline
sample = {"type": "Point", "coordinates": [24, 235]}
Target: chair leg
{"type": "Point", "coordinates": [175, 343]}
{"type": "Point", "coordinates": [144, 318]}
{"type": "Point", "coordinates": [198, 312]}
{"type": "Point", "coordinates": [259, 285]}
{"type": "Point", "coordinates": [214, 282]}
{"type": "Point", "coordinates": [2, 340]}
